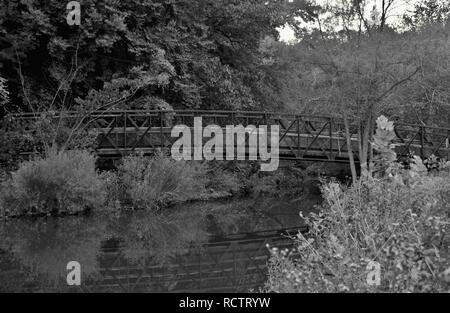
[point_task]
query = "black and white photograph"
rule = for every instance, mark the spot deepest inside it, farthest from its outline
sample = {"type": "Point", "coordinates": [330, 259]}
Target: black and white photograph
{"type": "Point", "coordinates": [238, 148]}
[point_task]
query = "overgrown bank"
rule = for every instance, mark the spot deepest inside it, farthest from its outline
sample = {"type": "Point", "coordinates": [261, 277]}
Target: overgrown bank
{"type": "Point", "coordinates": [62, 183]}
{"type": "Point", "coordinates": [397, 218]}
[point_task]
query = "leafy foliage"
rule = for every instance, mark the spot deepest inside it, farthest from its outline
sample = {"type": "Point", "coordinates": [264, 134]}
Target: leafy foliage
{"type": "Point", "coordinates": [346, 63]}
{"type": "Point", "coordinates": [428, 11]}
{"type": "Point", "coordinates": [382, 143]}
{"type": "Point", "coordinates": [190, 54]}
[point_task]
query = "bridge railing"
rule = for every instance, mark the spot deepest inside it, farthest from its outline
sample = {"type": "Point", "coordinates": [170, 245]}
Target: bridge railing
{"type": "Point", "coordinates": [301, 136]}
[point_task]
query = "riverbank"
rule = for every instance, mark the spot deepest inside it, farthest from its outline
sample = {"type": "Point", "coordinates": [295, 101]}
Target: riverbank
{"type": "Point", "coordinates": [221, 200]}
{"type": "Point", "coordinates": [68, 183]}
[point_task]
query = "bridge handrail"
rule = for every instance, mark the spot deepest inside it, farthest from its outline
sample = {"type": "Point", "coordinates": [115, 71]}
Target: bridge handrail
{"type": "Point", "coordinates": [424, 126]}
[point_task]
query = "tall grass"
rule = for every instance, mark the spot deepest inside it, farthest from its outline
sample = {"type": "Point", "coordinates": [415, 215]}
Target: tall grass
{"type": "Point", "coordinates": [402, 226]}
{"type": "Point", "coordinates": [60, 182]}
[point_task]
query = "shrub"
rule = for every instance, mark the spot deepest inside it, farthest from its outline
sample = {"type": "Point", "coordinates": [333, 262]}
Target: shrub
{"type": "Point", "coordinates": [152, 182]}
{"type": "Point", "coordinates": [402, 226]}
{"type": "Point", "coordinates": [60, 182]}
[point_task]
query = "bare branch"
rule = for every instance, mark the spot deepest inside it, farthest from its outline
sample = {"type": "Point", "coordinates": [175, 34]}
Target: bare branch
{"type": "Point", "coordinates": [396, 84]}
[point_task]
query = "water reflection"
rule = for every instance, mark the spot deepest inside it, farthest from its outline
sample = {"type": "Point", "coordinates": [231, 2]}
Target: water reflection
{"type": "Point", "coordinates": [169, 246]}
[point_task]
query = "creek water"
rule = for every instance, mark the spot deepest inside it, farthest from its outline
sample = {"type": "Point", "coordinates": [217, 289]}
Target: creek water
{"type": "Point", "coordinates": [197, 247]}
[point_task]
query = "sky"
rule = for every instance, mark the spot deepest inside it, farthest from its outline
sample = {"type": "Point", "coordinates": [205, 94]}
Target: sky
{"type": "Point", "coordinates": [286, 34]}
{"type": "Point", "coordinates": [396, 12]}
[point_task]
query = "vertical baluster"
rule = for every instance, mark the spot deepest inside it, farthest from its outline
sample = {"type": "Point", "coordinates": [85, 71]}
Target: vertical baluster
{"type": "Point", "coordinates": [161, 129]}
{"type": "Point", "coordinates": [116, 125]}
{"type": "Point", "coordinates": [330, 122]}
{"type": "Point", "coordinates": [125, 130]}
{"type": "Point", "coordinates": [422, 142]}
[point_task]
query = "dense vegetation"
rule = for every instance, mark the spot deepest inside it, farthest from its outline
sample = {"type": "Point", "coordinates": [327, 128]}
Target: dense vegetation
{"type": "Point", "coordinates": [401, 222]}
{"type": "Point", "coordinates": [399, 219]}
{"type": "Point", "coordinates": [67, 182]}
{"type": "Point", "coordinates": [139, 54]}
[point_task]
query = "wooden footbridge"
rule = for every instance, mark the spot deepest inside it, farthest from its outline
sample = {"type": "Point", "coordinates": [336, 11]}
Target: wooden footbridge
{"type": "Point", "coordinates": [301, 137]}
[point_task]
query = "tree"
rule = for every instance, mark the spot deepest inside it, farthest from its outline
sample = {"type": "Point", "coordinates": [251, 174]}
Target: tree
{"type": "Point", "coordinates": [139, 54]}
{"type": "Point", "coordinates": [428, 11]}
{"type": "Point", "coordinates": [358, 65]}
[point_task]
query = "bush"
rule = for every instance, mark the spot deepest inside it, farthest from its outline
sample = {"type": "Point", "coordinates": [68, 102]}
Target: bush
{"type": "Point", "coordinates": [145, 182]}
{"type": "Point", "coordinates": [61, 182]}
{"type": "Point", "coordinates": [402, 226]}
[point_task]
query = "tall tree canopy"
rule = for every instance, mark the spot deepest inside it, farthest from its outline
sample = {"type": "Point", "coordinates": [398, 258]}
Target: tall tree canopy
{"type": "Point", "coordinates": [140, 53]}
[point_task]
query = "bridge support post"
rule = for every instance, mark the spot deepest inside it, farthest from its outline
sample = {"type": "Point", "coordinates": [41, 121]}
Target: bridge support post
{"type": "Point", "coordinates": [331, 155]}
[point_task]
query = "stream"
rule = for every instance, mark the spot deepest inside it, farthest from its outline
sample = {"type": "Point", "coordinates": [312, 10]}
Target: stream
{"type": "Point", "coordinates": [218, 246]}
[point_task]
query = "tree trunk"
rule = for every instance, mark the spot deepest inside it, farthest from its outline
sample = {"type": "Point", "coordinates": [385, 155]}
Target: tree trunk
{"type": "Point", "coordinates": [350, 150]}
{"type": "Point", "coordinates": [364, 147]}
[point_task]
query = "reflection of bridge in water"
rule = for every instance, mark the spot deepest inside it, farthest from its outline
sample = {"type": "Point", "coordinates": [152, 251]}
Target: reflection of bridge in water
{"type": "Point", "coordinates": [302, 137]}
{"type": "Point", "coordinates": [220, 247]}
{"type": "Point", "coordinates": [234, 263]}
